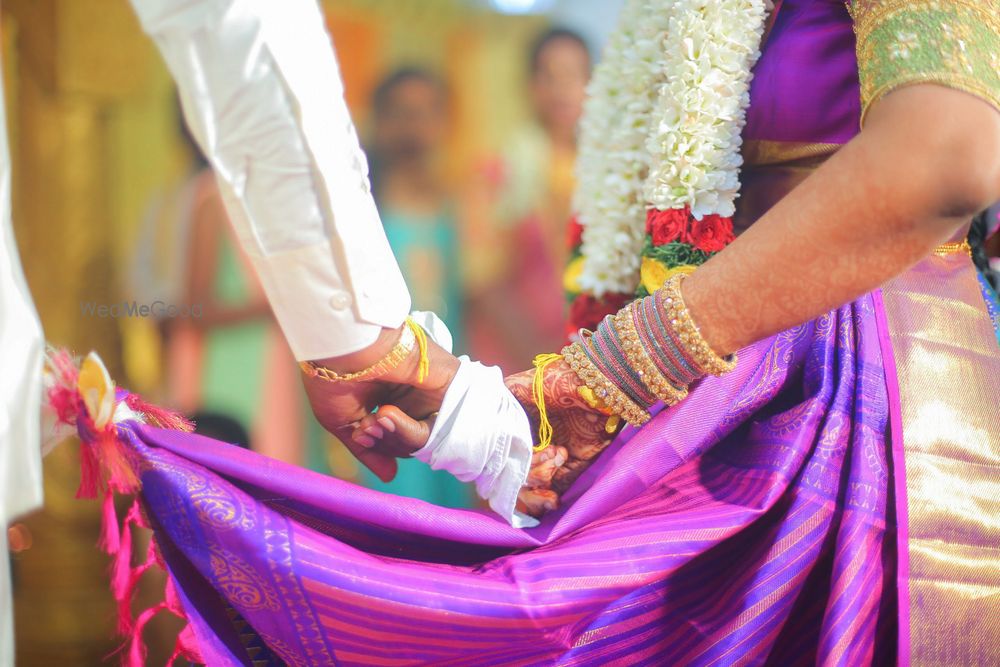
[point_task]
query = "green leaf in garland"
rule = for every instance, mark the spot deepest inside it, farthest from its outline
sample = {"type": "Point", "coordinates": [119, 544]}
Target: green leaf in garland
{"type": "Point", "coordinates": [675, 254]}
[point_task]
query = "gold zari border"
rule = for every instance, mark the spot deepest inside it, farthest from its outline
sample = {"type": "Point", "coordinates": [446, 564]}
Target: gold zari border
{"type": "Point", "coordinates": [948, 365]}
{"type": "Point", "coordinates": [759, 152]}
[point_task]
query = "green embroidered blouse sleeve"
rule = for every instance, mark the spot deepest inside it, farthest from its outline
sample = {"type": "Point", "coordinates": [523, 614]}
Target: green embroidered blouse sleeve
{"type": "Point", "coordinates": [954, 43]}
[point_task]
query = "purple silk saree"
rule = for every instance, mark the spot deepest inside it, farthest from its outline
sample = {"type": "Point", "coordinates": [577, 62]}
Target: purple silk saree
{"type": "Point", "coordinates": [754, 522]}
{"type": "Point", "coordinates": [811, 507]}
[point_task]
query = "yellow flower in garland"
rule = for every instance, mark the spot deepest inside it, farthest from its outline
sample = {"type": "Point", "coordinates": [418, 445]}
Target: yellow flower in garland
{"type": "Point", "coordinates": [654, 273]}
{"type": "Point", "coordinates": [571, 276]}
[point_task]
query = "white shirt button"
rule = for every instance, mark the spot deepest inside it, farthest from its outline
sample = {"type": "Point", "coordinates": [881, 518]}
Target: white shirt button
{"type": "Point", "coordinates": [340, 301]}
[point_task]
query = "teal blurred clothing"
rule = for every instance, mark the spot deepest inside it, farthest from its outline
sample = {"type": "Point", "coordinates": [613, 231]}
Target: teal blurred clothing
{"type": "Point", "coordinates": [427, 249]}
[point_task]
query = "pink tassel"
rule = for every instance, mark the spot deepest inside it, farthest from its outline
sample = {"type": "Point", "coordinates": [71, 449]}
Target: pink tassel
{"type": "Point", "coordinates": [125, 603]}
{"type": "Point", "coordinates": [90, 472]}
{"type": "Point", "coordinates": [157, 416]}
{"type": "Point", "coordinates": [124, 577]}
{"type": "Point", "coordinates": [188, 645]}
{"type": "Point", "coordinates": [172, 599]}
{"type": "Point", "coordinates": [121, 572]}
{"type": "Point", "coordinates": [177, 654]}
{"type": "Point", "coordinates": [137, 648]}
{"type": "Point", "coordinates": [110, 541]}
{"type": "Point", "coordinates": [107, 463]}
{"type": "Point", "coordinates": [117, 462]}
{"type": "Point", "coordinates": [62, 393]}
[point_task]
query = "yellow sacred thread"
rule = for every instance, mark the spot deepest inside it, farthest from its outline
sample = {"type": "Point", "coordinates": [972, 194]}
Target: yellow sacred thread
{"type": "Point", "coordinates": [542, 362]}
{"type": "Point", "coordinates": [424, 366]}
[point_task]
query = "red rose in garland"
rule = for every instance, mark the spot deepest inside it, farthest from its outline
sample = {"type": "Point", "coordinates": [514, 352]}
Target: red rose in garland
{"type": "Point", "coordinates": [586, 311]}
{"type": "Point", "coordinates": [710, 234]}
{"type": "Point", "coordinates": [574, 233]}
{"type": "Point", "coordinates": [666, 226]}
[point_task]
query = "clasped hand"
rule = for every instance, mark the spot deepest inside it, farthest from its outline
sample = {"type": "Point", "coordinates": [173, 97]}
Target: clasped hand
{"type": "Point", "coordinates": [391, 417]}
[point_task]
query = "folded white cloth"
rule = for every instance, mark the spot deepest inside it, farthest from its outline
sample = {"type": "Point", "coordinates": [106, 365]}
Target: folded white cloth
{"type": "Point", "coordinates": [481, 433]}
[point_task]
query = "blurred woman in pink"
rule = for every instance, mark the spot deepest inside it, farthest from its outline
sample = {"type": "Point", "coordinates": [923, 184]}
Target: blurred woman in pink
{"type": "Point", "coordinates": [529, 191]}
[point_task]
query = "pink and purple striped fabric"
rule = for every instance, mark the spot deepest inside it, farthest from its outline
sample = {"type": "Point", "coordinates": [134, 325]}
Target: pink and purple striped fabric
{"type": "Point", "coordinates": [751, 524]}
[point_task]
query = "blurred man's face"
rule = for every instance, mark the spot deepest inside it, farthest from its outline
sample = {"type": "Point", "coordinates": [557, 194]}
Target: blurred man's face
{"type": "Point", "coordinates": [559, 83]}
{"type": "Point", "coordinates": [412, 123]}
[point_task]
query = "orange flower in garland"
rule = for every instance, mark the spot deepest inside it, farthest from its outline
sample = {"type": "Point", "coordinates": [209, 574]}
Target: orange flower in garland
{"type": "Point", "coordinates": [710, 234]}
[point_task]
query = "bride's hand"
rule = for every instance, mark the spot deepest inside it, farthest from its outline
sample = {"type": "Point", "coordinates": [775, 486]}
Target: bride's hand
{"type": "Point", "coordinates": [344, 408]}
{"type": "Point", "coordinates": [580, 433]}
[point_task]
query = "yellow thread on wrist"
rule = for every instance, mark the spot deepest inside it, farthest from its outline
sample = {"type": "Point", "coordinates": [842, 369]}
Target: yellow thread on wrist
{"type": "Point", "coordinates": [542, 362]}
{"type": "Point", "coordinates": [424, 366]}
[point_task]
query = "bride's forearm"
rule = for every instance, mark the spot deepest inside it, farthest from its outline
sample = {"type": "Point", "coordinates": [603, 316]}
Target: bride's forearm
{"type": "Point", "coordinates": [928, 159]}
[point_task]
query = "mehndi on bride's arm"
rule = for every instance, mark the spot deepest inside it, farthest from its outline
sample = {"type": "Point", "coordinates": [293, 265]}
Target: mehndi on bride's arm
{"type": "Point", "coordinates": [927, 160]}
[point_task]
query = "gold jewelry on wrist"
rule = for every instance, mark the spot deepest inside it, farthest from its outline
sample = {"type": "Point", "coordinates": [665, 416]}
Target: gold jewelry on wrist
{"type": "Point", "coordinates": [680, 319]}
{"type": "Point", "coordinates": [641, 362]}
{"type": "Point", "coordinates": [603, 387]}
{"type": "Point", "coordinates": [953, 248]}
{"type": "Point", "coordinates": [400, 351]}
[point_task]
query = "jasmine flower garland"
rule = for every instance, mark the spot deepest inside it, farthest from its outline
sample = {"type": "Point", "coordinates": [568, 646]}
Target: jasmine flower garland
{"type": "Point", "coordinates": [662, 130]}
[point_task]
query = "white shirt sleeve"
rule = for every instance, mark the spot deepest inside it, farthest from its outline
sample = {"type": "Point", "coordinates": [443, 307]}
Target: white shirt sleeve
{"type": "Point", "coordinates": [263, 97]}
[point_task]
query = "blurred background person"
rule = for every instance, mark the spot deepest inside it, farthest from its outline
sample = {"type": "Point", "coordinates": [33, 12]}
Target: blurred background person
{"type": "Point", "coordinates": [410, 122]}
{"type": "Point", "coordinates": [230, 364]}
{"type": "Point", "coordinates": [409, 128]}
{"type": "Point", "coordinates": [519, 227]}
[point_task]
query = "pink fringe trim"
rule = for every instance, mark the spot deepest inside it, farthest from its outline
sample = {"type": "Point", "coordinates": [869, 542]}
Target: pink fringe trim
{"type": "Point", "coordinates": [108, 466]}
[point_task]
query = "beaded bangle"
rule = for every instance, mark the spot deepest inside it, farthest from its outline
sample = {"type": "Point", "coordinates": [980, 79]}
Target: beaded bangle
{"type": "Point", "coordinates": [602, 386]}
{"type": "Point", "coordinates": [650, 350]}
{"type": "Point", "coordinates": [664, 387]}
{"type": "Point", "coordinates": [652, 326]}
{"type": "Point", "coordinates": [607, 353]}
{"type": "Point", "coordinates": [690, 338]}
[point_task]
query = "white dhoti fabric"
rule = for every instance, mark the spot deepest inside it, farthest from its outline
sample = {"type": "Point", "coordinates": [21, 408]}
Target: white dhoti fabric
{"type": "Point", "coordinates": [21, 349]}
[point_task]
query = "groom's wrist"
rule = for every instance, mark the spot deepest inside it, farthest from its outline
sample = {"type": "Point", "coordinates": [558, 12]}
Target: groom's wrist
{"type": "Point", "coordinates": [440, 368]}
{"type": "Point", "coordinates": [364, 358]}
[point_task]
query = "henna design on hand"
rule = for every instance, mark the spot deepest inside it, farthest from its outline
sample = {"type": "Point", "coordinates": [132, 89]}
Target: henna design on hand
{"type": "Point", "coordinates": [578, 432]}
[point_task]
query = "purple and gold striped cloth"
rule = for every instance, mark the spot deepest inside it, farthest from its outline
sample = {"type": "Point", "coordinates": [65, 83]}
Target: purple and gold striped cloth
{"type": "Point", "coordinates": [751, 524]}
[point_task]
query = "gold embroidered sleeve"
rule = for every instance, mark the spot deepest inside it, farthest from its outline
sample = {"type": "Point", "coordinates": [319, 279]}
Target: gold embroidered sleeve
{"type": "Point", "coordinates": [953, 43]}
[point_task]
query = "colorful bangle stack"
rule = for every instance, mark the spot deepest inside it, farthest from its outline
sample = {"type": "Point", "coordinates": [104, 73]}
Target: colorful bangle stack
{"type": "Point", "coordinates": [618, 402]}
{"type": "Point", "coordinates": [649, 351]}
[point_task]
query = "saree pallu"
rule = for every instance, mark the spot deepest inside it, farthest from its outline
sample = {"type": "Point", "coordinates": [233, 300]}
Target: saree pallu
{"type": "Point", "coordinates": [754, 523]}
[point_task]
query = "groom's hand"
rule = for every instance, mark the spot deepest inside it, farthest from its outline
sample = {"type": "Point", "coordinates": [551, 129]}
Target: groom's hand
{"type": "Point", "coordinates": [345, 408]}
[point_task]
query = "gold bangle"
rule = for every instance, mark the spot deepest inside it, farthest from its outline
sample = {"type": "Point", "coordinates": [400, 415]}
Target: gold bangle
{"type": "Point", "coordinates": [640, 360]}
{"type": "Point", "coordinates": [400, 351]}
{"type": "Point", "coordinates": [605, 389]}
{"type": "Point", "coordinates": [953, 248]}
{"type": "Point", "coordinates": [680, 319]}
